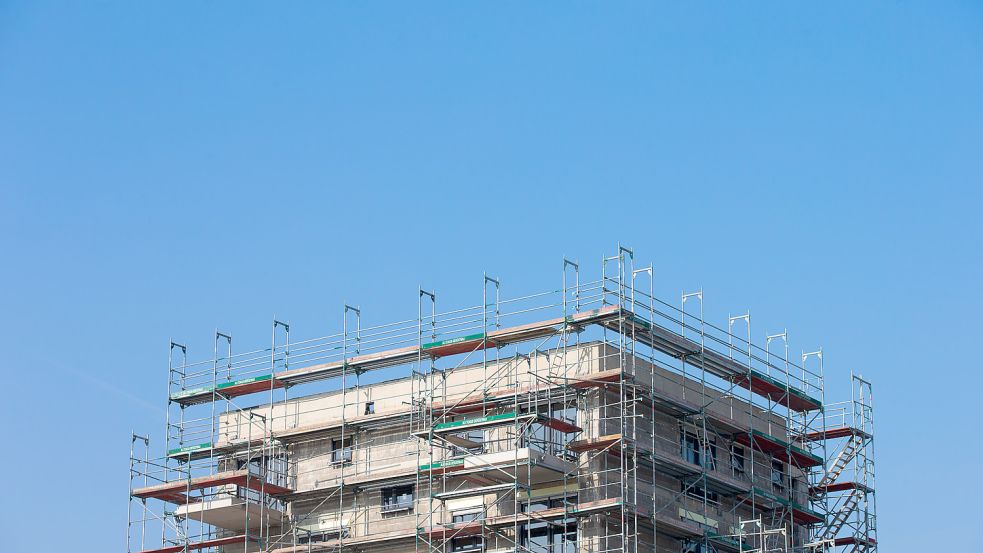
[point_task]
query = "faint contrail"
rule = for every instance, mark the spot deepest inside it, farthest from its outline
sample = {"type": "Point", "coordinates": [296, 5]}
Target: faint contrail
{"type": "Point", "coordinates": [110, 387]}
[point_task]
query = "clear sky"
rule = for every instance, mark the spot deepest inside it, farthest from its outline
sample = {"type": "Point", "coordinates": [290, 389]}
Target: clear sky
{"type": "Point", "coordinates": [169, 169]}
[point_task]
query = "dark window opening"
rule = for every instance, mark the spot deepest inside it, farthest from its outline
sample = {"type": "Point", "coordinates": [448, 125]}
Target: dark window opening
{"type": "Point", "coordinates": [341, 450]}
{"type": "Point", "coordinates": [466, 517]}
{"type": "Point", "coordinates": [737, 460]}
{"type": "Point", "coordinates": [691, 450]}
{"type": "Point", "coordinates": [699, 492]}
{"type": "Point", "coordinates": [471, 543]}
{"type": "Point", "coordinates": [778, 476]}
{"type": "Point", "coordinates": [461, 545]}
{"type": "Point", "coordinates": [399, 498]}
{"type": "Point", "coordinates": [691, 546]}
{"type": "Point", "coordinates": [559, 536]}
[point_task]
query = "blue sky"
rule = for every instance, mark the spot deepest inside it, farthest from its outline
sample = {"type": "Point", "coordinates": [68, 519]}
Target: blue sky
{"type": "Point", "coordinates": [169, 169]}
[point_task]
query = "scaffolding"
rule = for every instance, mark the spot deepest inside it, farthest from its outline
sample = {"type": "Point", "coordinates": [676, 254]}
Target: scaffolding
{"type": "Point", "coordinates": [593, 417]}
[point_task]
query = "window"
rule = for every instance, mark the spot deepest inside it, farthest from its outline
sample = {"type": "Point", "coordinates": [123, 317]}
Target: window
{"type": "Point", "coordinates": [710, 455]}
{"type": "Point", "coordinates": [690, 546]}
{"type": "Point", "coordinates": [395, 499]}
{"type": "Point", "coordinates": [690, 447]}
{"type": "Point", "coordinates": [697, 492]}
{"type": "Point", "coordinates": [328, 527]}
{"type": "Point", "coordinates": [460, 545]}
{"type": "Point", "coordinates": [272, 469]}
{"type": "Point", "coordinates": [466, 517]}
{"type": "Point", "coordinates": [472, 543]}
{"type": "Point", "coordinates": [471, 440]}
{"type": "Point", "coordinates": [737, 460]}
{"type": "Point", "coordinates": [545, 439]}
{"type": "Point", "coordinates": [369, 407]}
{"type": "Point", "coordinates": [778, 476]}
{"type": "Point", "coordinates": [691, 451]}
{"type": "Point", "coordinates": [477, 436]}
{"type": "Point", "coordinates": [341, 450]}
{"type": "Point", "coordinates": [318, 536]}
{"type": "Point", "coordinates": [543, 504]}
{"type": "Point", "coordinates": [559, 536]}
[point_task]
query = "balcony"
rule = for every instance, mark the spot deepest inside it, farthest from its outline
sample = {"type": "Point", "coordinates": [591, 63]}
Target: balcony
{"type": "Point", "coordinates": [231, 511]}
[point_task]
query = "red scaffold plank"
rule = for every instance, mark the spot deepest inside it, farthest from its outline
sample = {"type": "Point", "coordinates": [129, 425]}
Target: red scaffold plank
{"type": "Point", "coordinates": [779, 449]}
{"type": "Point", "coordinates": [559, 425]}
{"type": "Point", "coordinates": [838, 487]}
{"type": "Point", "coordinates": [834, 433]}
{"type": "Point", "coordinates": [777, 392]}
{"type": "Point", "coordinates": [598, 380]}
{"type": "Point", "coordinates": [853, 540]}
{"type": "Point", "coordinates": [194, 546]}
{"type": "Point", "coordinates": [174, 492]}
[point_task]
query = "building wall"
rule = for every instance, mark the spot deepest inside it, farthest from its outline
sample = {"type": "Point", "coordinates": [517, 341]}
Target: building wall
{"type": "Point", "coordinates": [387, 447]}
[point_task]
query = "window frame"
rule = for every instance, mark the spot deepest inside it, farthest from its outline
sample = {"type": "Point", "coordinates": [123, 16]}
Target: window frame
{"type": "Point", "coordinates": [778, 469]}
{"type": "Point", "coordinates": [738, 468]}
{"type": "Point", "coordinates": [342, 450]}
{"type": "Point", "coordinates": [702, 453]}
{"type": "Point", "coordinates": [690, 454]}
{"type": "Point", "coordinates": [389, 498]}
{"type": "Point", "coordinates": [696, 492]}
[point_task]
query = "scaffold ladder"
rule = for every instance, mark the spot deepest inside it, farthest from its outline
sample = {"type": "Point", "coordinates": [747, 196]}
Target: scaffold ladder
{"type": "Point", "coordinates": [842, 460]}
{"type": "Point", "coordinates": [847, 508]}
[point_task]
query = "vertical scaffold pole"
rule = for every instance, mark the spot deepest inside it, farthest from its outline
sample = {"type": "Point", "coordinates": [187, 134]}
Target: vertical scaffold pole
{"type": "Point", "coordinates": [419, 407]}
{"type": "Point", "coordinates": [703, 441]}
{"type": "Point", "coordinates": [182, 374]}
{"type": "Point", "coordinates": [219, 336]}
{"type": "Point", "coordinates": [564, 344]}
{"type": "Point", "coordinates": [786, 432]}
{"type": "Point", "coordinates": [347, 451]}
{"type": "Point", "coordinates": [685, 297]}
{"type": "Point", "coordinates": [625, 448]}
{"type": "Point", "coordinates": [748, 454]}
{"type": "Point", "coordinates": [626, 409]}
{"type": "Point", "coordinates": [143, 501]}
{"type": "Point", "coordinates": [261, 474]}
{"type": "Point", "coordinates": [484, 330]}
{"type": "Point", "coordinates": [286, 366]}
{"type": "Point", "coordinates": [576, 287]}
{"type": "Point", "coordinates": [816, 445]}
{"type": "Point", "coordinates": [650, 271]}
{"type": "Point", "coordinates": [863, 398]}
{"type": "Point", "coordinates": [268, 445]}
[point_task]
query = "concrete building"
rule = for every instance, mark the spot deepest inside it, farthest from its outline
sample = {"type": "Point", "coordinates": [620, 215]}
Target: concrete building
{"type": "Point", "coordinates": [595, 418]}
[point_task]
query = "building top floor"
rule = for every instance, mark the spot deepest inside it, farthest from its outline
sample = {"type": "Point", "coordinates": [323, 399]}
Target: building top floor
{"type": "Point", "coordinates": [503, 385]}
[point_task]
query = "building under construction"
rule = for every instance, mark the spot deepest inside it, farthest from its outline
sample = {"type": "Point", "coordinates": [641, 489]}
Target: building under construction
{"type": "Point", "coordinates": [594, 417]}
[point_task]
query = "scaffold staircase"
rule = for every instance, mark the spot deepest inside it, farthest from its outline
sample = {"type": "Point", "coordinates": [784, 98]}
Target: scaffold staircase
{"type": "Point", "coordinates": [846, 490]}
{"type": "Point", "coordinates": [841, 462]}
{"type": "Point", "coordinates": [840, 516]}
